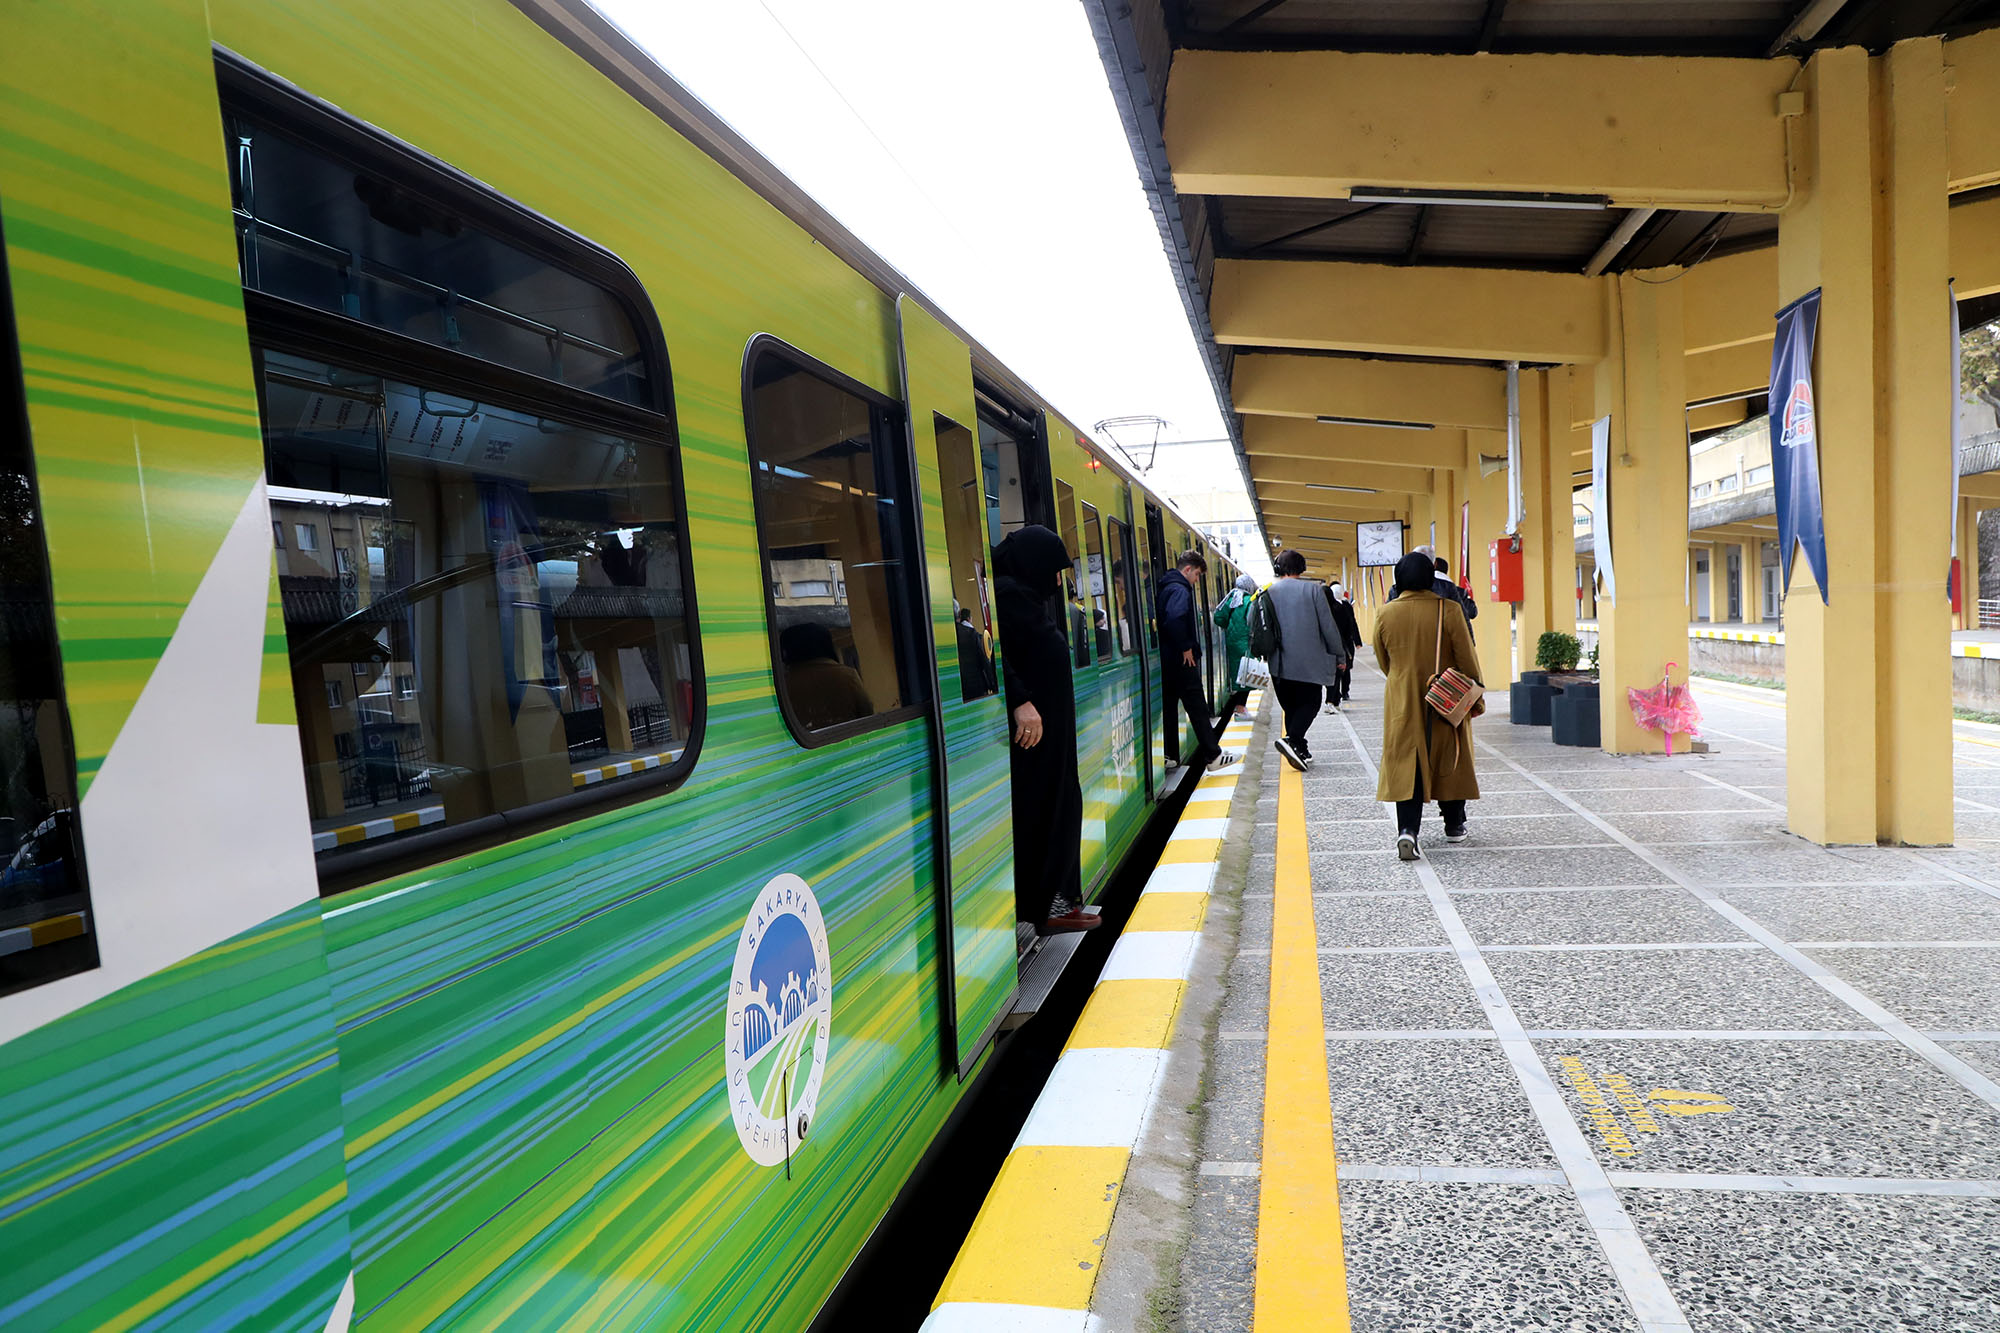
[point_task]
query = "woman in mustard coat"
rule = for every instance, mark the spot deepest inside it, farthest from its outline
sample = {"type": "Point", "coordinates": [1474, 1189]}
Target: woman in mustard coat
{"type": "Point", "coordinates": [1423, 756]}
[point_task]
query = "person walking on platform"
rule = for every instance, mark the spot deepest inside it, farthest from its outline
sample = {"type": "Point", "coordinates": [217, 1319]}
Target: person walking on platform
{"type": "Point", "coordinates": [1233, 619]}
{"type": "Point", "coordinates": [1048, 797]}
{"type": "Point", "coordinates": [1342, 603]}
{"type": "Point", "coordinates": [1309, 649]}
{"type": "Point", "coordinates": [1443, 586]}
{"type": "Point", "coordinates": [1417, 635]}
{"type": "Point", "coordinates": [1180, 658]}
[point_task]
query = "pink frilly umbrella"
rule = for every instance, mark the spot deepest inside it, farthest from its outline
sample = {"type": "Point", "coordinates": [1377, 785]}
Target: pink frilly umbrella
{"type": "Point", "coordinates": [1666, 708]}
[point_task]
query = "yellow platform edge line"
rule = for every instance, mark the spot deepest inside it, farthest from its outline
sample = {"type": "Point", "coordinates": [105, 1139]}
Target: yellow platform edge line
{"type": "Point", "coordinates": [1039, 1237]}
{"type": "Point", "coordinates": [1191, 851]}
{"type": "Point", "coordinates": [1301, 1276]}
{"type": "Point", "coordinates": [1130, 1014]}
{"type": "Point", "coordinates": [1168, 911]}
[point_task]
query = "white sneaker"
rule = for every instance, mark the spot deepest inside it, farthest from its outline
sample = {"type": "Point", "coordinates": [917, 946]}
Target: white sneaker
{"type": "Point", "coordinates": [1406, 847]}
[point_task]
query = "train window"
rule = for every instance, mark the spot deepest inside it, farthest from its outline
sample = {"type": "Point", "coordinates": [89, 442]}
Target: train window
{"type": "Point", "coordinates": [1122, 597]}
{"type": "Point", "coordinates": [965, 549]}
{"type": "Point", "coordinates": [1079, 634]}
{"type": "Point", "coordinates": [1097, 596]}
{"type": "Point", "coordinates": [482, 559]}
{"type": "Point", "coordinates": [325, 226]}
{"type": "Point", "coordinates": [46, 930]}
{"type": "Point", "coordinates": [831, 498]}
{"type": "Point", "coordinates": [1000, 466]}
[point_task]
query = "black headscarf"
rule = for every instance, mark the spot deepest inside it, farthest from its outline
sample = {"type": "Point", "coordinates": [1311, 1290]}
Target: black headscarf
{"type": "Point", "coordinates": [1415, 572]}
{"type": "Point", "coordinates": [1034, 557]}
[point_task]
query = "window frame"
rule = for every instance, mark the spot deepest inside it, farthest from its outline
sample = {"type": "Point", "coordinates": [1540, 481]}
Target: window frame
{"type": "Point", "coordinates": [275, 324]}
{"type": "Point", "coordinates": [916, 591]}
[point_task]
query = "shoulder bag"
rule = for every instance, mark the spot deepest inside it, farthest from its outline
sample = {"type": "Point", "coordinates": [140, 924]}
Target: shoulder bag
{"type": "Point", "coordinates": [1452, 693]}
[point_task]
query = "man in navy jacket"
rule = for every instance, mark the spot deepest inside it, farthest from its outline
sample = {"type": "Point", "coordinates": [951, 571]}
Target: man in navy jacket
{"type": "Point", "coordinates": [1180, 657]}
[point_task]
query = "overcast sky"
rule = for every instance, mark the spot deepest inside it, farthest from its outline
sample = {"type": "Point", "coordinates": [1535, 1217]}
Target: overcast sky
{"type": "Point", "coordinates": [976, 147]}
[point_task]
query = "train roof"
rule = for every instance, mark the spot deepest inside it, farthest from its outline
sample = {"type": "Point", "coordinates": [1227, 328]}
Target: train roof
{"type": "Point", "coordinates": [606, 47]}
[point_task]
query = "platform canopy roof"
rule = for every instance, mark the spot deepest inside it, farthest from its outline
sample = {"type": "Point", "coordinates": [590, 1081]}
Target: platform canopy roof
{"type": "Point", "coordinates": [1271, 196]}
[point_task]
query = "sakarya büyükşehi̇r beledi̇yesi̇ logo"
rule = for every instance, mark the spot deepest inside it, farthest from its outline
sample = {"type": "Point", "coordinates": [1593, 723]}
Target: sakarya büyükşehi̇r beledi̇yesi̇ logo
{"type": "Point", "coordinates": [780, 1019]}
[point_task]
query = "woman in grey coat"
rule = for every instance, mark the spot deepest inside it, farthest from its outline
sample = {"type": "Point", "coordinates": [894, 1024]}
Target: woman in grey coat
{"type": "Point", "coordinates": [1309, 649]}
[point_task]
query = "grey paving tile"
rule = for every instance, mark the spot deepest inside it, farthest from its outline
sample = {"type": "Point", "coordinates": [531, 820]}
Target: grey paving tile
{"type": "Point", "coordinates": [1816, 1263]}
{"type": "Point", "coordinates": [1695, 988]}
{"type": "Point", "coordinates": [1247, 995]}
{"type": "Point", "coordinates": [1254, 929]}
{"type": "Point", "coordinates": [1420, 990]}
{"type": "Point", "coordinates": [1663, 915]}
{"type": "Point", "coordinates": [1872, 912]}
{"type": "Point", "coordinates": [1954, 990]}
{"type": "Point", "coordinates": [1373, 923]}
{"type": "Point", "coordinates": [1981, 865]}
{"type": "Point", "coordinates": [1219, 1270]}
{"type": "Point", "coordinates": [1233, 1102]}
{"type": "Point", "coordinates": [1808, 1108]}
{"type": "Point", "coordinates": [1490, 868]}
{"type": "Point", "coordinates": [1796, 862]}
{"type": "Point", "coordinates": [1626, 775]}
{"type": "Point", "coordinates": [1329, 835]}
{"type": "Point", "coordinates": [1474, 1259]}
{"type": "Point", "coordinates": [1363, 870]}
{"type": "Point", "coordinates": [1981, 1055]}
{"type": "Point", "coordinates": [1454, 1103]}
{"type": "Point", "coordinates": [1343, 807]}
{"type": "Point", "coordinates": [1564, 830]}
{"type": "Point", "coordinates": [1767, 825]}
{"type": "Point", "coordinates": [1695, 797]}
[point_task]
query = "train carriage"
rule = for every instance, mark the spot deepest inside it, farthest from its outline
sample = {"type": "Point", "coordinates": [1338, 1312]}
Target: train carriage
{"type": "Point", "coordinates": [508, 816]}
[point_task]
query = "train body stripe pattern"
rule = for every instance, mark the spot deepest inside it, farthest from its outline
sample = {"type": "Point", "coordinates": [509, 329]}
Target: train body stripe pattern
{"type": "Point", "coordinates": [490, 1092]}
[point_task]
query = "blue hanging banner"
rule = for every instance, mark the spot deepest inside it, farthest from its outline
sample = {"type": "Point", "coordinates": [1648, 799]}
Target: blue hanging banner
{"type": "Point", "coordinates": [1795, 440]}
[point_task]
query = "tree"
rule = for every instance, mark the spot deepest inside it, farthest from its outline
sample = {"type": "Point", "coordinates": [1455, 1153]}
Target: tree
{"type": "Point", "coordinates": [1979, 362]}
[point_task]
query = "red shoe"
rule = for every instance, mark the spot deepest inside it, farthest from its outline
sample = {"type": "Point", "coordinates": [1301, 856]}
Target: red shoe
{"type": "Point", "coordinates": [1073, 921]}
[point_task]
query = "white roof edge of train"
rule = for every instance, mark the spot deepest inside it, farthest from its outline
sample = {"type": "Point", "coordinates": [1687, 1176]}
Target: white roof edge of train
{"type": "Point", "coordinates": [605, 46]}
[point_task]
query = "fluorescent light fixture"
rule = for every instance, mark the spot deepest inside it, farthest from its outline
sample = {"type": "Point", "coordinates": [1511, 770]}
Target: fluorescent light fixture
{"type": "Point", "coordinates": [1388, 194]}
{"type": "Point", "coordinates": [1315, 518]}
{"type": "Point", "coordinates": [1354, 490]}
{"type": "Point", "coordinates": [1375, 421]}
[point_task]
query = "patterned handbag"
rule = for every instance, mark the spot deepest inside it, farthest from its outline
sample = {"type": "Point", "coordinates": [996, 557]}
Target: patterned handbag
{"type": "Point", "coordinates": [1452, 693]}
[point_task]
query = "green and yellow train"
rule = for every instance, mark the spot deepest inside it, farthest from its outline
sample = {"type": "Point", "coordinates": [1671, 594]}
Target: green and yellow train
{"type": "Point", "coordinates": [507, 813]}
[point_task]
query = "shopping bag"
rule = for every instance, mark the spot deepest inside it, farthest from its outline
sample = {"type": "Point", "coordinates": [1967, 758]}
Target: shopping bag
{"type": "Point", "coordinates": [1253, 674]}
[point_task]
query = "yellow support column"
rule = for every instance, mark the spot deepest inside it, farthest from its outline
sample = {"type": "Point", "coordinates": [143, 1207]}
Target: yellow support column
{"type": "Point", "coordinates": [1548, 552]}
{"type": "Point", "coordinates": [1753, 581]}
{"type": "Point", "coordinates": [1493, 632]}
{"type": "Point", "coordinates": [1718, 582]}
{"type": "Point", "coordinates": [1868, 704]}
{"type": "Point", "coordinates": [1968, 563]}
{"type": "Point", "coordinates": [1642, 385]}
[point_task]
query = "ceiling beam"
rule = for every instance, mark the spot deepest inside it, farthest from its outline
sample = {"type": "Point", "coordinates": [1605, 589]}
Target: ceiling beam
{"type": "Point", "coordinates": [1639, 130]}
{"type": "Point", "coordinates": [1972, 154]}
{"type": "Point", "coordinates": [1464, 313]}
{"type": "Point", "coordinates": [1281, 385]}
{"type": "Point", "coordinates": [1303, 475]}
{"type": "Point", "coordinates": [1313, 441]}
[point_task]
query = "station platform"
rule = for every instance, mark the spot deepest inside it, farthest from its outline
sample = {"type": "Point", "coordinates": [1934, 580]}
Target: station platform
{"type": "Point", "coordinates": [1630, 1058]}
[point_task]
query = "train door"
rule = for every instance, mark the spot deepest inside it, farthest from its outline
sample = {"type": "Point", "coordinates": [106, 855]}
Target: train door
{"type": "Point", "coordinates": [1166, 740]}
{"type": "Point", "coordinates": [1132, 626]}
{"type": "Point", "coordinates": [973, 811]}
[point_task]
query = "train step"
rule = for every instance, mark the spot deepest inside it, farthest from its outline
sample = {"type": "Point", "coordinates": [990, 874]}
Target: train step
{"type": "Point", "coordinates": [1041, 967]}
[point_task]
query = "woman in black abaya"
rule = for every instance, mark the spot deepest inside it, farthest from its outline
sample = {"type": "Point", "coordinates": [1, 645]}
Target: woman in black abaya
{"type": "Point", "coordinates": [1048, 798]}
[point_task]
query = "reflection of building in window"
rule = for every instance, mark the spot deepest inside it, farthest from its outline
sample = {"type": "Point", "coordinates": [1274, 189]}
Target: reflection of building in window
{"type": "Point", "coordinates": [500, 582]}
{"type": "Point", "coordinates": [831, 506]}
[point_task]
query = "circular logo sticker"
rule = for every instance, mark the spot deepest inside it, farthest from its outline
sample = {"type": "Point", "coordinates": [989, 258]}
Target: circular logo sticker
{"type": "Point", "coordinates": [780, 1017]}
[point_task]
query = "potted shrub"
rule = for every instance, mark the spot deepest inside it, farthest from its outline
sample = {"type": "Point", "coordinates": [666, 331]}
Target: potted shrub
{"type": "Point", "coordinates": [1557, 652]}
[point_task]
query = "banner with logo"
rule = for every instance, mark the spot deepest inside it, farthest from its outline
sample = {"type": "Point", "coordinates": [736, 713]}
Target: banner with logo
{"type": "Point", "coordinates": [1957, 430]}
{"type": "Point", "coordinates": [1600, 499]}
{"type": "Point", "coordinates": [1795, 441]}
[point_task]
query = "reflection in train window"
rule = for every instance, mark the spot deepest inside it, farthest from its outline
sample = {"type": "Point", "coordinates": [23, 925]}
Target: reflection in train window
{"type": "Point", "coordinates": [965, 550]}
{"type": "Point", "coordinates": [474, 491]}
{"type": "Point", "coordinates": [46, 930]}
{"type": "Point", "coordinates": [832, 512]}
{"type": "Point", "coordinates": [1097, 600]}
{"type": "Point", "coordinates": [1079, 624]}
{"type": "Point", "coordinates": [489, 612]}
{"type": "Point", "coordinates": [1122, 597]}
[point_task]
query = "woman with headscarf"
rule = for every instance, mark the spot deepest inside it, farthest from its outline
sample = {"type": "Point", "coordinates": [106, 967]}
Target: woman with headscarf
{"type": "Point", "coordinates": [1342, 684]}
{"type": "Point", "coordinates": [1048, 797]}
{"type": "Point", "coordinates": [1233, 619]}
{"type": "Point", "coordinates": [1417, 634]}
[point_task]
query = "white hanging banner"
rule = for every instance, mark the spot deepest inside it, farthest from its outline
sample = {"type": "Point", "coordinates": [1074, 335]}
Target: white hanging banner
{"type": "Point", "coordinates": [1600, 521]}
{"type": "Point", "coordinates": [1957, 430]}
